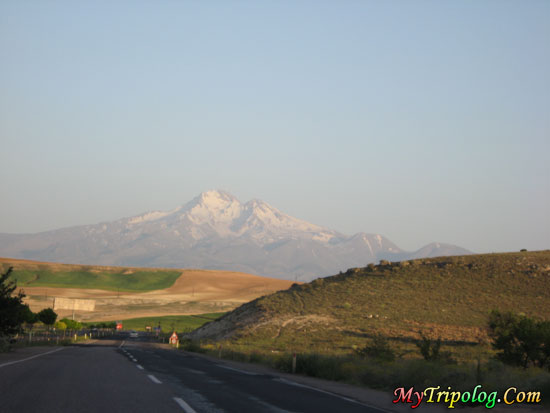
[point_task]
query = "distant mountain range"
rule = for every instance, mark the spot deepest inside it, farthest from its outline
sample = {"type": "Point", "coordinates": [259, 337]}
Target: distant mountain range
{"type": "Point", "coordinates": [216, 231]}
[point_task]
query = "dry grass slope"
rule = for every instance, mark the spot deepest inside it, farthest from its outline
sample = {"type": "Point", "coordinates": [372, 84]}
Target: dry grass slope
{"type": "Point", "coordinates": [447, 297]}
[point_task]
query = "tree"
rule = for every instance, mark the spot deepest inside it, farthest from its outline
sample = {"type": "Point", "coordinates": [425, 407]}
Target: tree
{"type": "Point", "coordinates": [71, 324]}
{"type": "Point", "coordinates": [521, 341]}
{"type": "Point", "coordinates": [47, 316]}
{"type": "Point", "coordinates": [28, 316]}
{"type": "Point", "coordinates": [60, 325]}
{"type": "Point", "coordinates": [12, 309]}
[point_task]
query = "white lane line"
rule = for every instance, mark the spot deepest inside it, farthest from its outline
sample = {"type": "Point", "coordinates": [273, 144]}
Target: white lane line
{"type": "Point", "coordinates": [293, 383]}
{"type": "Point", "coordinates": [139, 366]}
{"type": "Point", "coordinates": [30, 358]}
{"type": "Point", "coordinates": [154, 379]}
{"type": "Point", "coordinates": [240, 371]}
{"type": "Point", "coordinates": [134, 360]}
{"type": "Point", "coordinates": [186, 408]}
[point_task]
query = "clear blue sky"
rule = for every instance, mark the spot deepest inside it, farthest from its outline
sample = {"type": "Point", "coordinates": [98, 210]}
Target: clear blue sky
{"type": "Point", "coordinates": [420, 120]}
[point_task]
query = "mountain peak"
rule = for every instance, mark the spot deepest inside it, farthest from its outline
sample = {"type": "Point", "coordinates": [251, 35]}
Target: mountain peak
{"type": "Point", "coordinates": [216, 197]}
{"type": "Point", "coordinates": [215, 230]}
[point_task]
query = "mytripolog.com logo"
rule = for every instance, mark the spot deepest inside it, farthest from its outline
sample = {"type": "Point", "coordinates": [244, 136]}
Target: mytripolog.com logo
{"type": "Point", "coordinates": [451, 399]}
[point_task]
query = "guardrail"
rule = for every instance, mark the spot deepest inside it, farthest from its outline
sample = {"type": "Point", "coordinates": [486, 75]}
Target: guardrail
{"type": "Point", "coordinates": [30, 337]}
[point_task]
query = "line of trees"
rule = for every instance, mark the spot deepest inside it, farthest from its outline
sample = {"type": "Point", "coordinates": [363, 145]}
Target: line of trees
{"type": "Point", "coordinates": [14, 313]}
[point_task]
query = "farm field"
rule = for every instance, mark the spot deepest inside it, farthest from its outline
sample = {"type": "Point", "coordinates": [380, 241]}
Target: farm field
{"type": "Point", "coordinates": [180, 323]}
{"type": "Point", "coordinates": [168, 292]}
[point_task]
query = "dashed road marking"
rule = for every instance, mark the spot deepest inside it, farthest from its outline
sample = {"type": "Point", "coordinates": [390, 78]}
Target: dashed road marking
{"type": "Point", "coordinates": [139, 366]}
{"type": "Point", "coordinates": [154, 379]}
{"type": "Point", "coordinates": [30, 358]}
{"type": "Point", "coordinates": [186, 408]}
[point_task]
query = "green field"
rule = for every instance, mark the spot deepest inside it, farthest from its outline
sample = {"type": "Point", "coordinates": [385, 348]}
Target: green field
{"type": "Point", "coordinates": [91, 277]}
{"type": "Point", "coordinates": [179, 323]}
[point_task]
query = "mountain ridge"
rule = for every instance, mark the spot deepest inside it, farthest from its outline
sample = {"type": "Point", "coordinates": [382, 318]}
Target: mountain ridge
{"type": "Point", "coordinates": [215, 231]}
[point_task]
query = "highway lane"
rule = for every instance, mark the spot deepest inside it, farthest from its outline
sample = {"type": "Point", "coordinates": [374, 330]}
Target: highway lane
{"type": "Point", "coordinates": [214, 387]}
{"type": "Point", "coordinates": [79, 379]}
{"type": "Point", "coordinates": [138, 377]}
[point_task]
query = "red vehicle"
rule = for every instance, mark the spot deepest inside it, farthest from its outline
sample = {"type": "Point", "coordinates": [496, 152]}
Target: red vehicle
{"type": "Point", "coordinates": [118, 325]}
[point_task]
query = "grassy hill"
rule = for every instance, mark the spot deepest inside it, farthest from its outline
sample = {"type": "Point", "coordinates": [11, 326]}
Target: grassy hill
{"type": "Point", "coordinates": [42, 274]}
{"type": "Point", "coordinates": [447, 297]}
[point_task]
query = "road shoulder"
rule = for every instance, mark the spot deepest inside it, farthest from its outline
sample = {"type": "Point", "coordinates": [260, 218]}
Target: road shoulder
{"type": "Point", "coordinates": [23, 353]}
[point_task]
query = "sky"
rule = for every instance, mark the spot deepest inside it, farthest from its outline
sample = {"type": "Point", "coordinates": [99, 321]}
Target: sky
{"type": "Point", "coordinates": [419, 120]}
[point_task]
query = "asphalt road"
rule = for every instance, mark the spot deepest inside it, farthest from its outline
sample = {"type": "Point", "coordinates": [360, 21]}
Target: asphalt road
{"type": "Point", "coordinates": [130, 376]}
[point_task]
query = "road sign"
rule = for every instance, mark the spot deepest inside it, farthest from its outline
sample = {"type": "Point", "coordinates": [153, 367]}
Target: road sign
{"type": "Point", "coordinates": [174, 338]}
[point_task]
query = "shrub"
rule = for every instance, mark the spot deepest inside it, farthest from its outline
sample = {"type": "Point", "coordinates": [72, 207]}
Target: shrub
{"type": "Point", "coordinates": [190, 345]}
{"type": "Point", "coordinates": [521, 341]}
{"type": "Point", "coordinates": [71, 324]}
{"type": "Point", "coordinates": [431, 350]}
{"type": "Point", "coordinates": [379, 348]}
{"type": "Point", "coordinates": [317, 365]}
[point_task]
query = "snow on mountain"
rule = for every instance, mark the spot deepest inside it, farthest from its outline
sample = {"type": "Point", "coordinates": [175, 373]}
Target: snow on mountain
{"type": "Point", "coordinates": [148, 216]}
{"type": "Point", "coordinates": [215, 230]}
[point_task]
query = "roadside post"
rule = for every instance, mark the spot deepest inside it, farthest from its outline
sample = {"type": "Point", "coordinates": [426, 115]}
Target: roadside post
{"type": "Point", "coordinates": [294, 363]}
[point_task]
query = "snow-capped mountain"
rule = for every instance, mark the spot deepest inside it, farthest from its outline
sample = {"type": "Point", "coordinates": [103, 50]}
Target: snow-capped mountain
{"type": "Point", "coordinates": [215, 231]}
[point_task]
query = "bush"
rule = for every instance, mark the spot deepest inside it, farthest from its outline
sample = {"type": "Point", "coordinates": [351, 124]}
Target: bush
{"type": "Point", "coordinates": [379, 348]}
{"type": "Point", "coordinates": [521, 341]}
{"type": "Point", "coordinates": [190, 345]}
{"type": "Point", "coordinates": [431, 350]}
{"type": "Point", "coordinates": [317, 365]}
{"type": "Point", "coordinates": [71, 324]}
